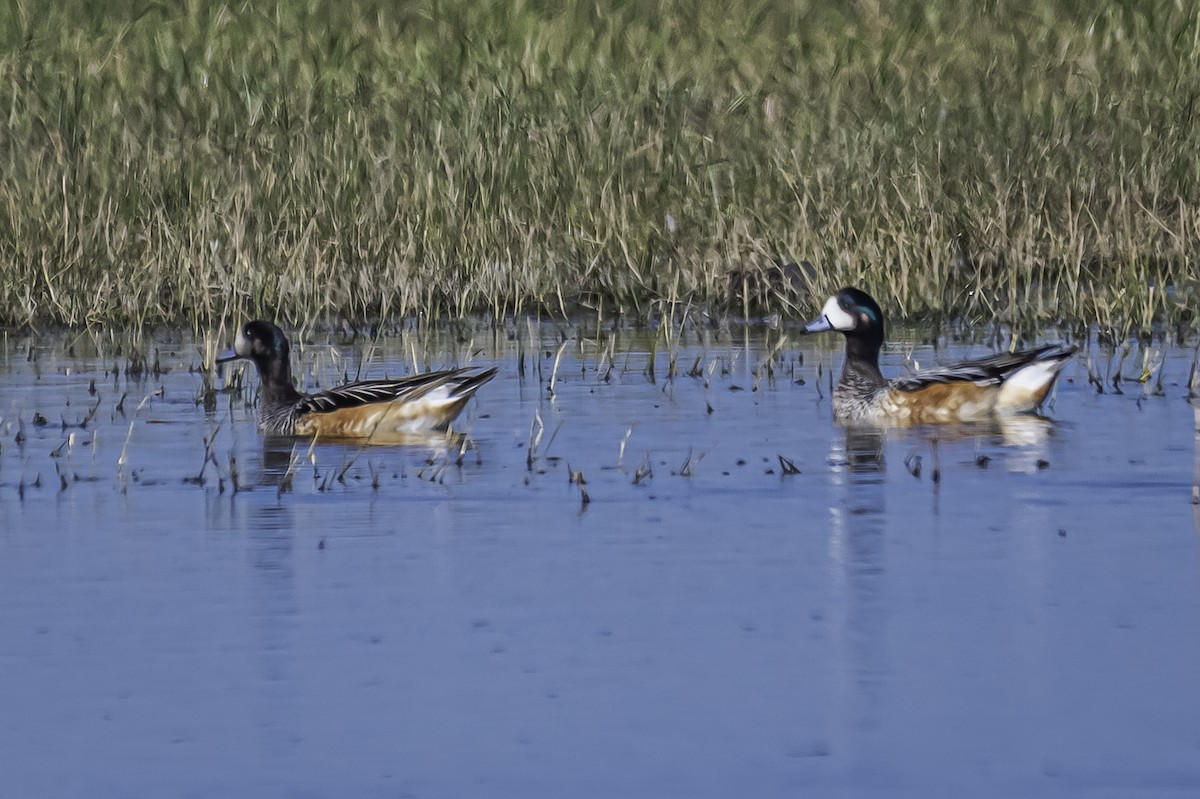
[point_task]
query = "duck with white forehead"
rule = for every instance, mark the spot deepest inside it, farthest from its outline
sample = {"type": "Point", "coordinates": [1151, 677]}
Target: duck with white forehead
{"type": "Point", "coordinates": [969, 391]}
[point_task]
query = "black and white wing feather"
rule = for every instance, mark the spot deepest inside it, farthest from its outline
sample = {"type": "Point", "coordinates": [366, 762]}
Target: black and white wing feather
{"type": "Point", "coordinates": [992, 370]}
{"type": "Point", "coordinates": [450, 384]}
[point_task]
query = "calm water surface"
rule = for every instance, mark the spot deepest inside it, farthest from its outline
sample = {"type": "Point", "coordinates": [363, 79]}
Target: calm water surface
{"type": "Point", "coordinates": [436, 621]}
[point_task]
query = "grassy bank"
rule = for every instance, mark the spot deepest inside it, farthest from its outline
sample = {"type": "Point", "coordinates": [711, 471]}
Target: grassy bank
{"type": "Point", "coordinates": [188, 162]}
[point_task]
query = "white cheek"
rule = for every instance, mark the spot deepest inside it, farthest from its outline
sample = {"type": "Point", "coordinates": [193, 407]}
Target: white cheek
{"type": "Point", "coordinates": [241, 345]}
{"type": "Point", "coordinates": [838, 318]}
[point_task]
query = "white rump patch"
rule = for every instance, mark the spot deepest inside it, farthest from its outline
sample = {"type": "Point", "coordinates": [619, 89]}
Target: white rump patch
{"type": "Point", "coordinates": [1024, 389]}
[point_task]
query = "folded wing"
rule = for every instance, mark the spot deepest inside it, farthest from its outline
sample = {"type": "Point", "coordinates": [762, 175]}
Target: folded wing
{"type": "Point", "coordinates": [451, 385]}
{"type": "Point", "coordinates": [992, 370]}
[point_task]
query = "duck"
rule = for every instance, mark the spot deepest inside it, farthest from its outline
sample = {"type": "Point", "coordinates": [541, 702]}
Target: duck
{"type": "Point", "coordinates": [376, 410]}
{"type": "Point", "coordinates": [1000, 385]}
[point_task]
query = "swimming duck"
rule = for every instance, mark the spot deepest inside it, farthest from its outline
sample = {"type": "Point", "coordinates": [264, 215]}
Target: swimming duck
{"type": "Point", "coordinates": [371, 409]}
{"type": "Point", "coordinates": [1003, 384]}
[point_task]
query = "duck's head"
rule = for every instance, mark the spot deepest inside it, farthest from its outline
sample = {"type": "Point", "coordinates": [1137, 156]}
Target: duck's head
{"type": "Point", "coordinates": [852, 312]}
{"type": "Point", "coordinates": [261, 342]}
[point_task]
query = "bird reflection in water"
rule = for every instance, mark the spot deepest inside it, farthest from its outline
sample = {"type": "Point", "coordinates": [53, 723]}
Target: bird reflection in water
{"type": "Point", "coordinates": [857, 550]}
{"type": "Point", "coordinates": [1024, 439]}
{"type": "Point", "coordinates": [283, 458]}
{"type": "Point", "coordinates": [1194, 401]}
{"type": "Point", "coordinates": [1027, 434]}
{"type": "Point", "coordinates": [863, 450]}
{"type": "Point", "coordinates": [280, 465]}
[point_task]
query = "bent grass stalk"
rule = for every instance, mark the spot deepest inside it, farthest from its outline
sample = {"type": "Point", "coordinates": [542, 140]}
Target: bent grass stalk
{"type": "Point", "coordinates": [123, 459]}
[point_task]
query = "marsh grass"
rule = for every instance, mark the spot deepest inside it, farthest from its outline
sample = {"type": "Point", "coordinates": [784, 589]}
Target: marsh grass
{"type": "Point", "coordinates": [188, 163]}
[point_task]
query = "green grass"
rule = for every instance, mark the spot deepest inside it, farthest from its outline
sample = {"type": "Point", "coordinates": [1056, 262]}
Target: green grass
{"type": "Point", "coordinates": [184, 163]}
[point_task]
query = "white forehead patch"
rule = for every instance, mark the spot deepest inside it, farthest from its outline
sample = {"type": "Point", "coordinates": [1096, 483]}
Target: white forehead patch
{"type": "Point", "coordinates": [838, 318]}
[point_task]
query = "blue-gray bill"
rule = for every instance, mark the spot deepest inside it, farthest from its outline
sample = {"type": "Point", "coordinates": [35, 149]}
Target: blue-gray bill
{"type": "Point", "coordinates": [818, 325]}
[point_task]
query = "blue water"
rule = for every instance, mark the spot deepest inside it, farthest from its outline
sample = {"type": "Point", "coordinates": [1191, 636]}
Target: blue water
{"type": "Point", "coordinates": [1027, 625]}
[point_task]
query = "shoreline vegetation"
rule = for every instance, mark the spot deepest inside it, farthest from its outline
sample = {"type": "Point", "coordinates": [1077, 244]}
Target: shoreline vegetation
{"type": "Point", "coordinates": [188, 163]}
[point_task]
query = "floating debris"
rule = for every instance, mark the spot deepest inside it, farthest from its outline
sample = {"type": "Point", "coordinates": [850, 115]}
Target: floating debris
{"type": "Point", "coordinates": [644, 471]}
{"type": "Point", "coordinates": [687, 469]}
{"type": "Point", "coordinates": [786, 466]}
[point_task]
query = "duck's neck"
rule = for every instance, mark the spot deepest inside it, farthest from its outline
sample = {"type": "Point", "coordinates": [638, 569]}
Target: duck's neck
{"type": "Point", "coordinates": [862, 362]}
{"type": "Point", "coordinates": [276, 378]}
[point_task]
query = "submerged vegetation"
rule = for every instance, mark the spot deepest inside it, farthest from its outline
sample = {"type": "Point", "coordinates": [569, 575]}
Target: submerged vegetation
{"type": "Point", "coordinates": [188, 162]}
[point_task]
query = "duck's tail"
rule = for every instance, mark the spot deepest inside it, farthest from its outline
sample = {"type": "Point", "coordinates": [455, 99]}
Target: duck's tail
{"type": "Point", "coordinates": [1025, 388]}
{"type": "Point", "coordinates": [454, 394]}
{"type": "Point", "coordinates": [465, 384]}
